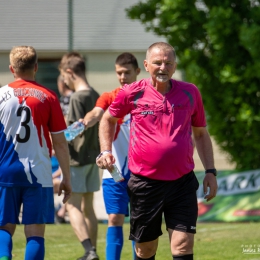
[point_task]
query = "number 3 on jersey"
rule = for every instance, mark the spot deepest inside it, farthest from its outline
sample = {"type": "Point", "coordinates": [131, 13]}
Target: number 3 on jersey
{"type": "Point", "coordinates": [24, 124]}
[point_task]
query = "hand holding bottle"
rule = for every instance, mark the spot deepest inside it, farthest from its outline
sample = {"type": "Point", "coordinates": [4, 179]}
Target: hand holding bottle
{"type": "Point", "coordinates": [74, 130]}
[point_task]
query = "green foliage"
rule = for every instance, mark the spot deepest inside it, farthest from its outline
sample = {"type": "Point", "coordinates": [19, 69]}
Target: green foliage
{"type": "Point", "coordinates": [217, 44]}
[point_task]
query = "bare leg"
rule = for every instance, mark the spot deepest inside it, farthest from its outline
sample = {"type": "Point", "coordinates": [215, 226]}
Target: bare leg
{"type": "Point", "coordinates": [181, 242]}
{"type": "Point", "coordinates": [116, 220]}
{"type": "Point", "coordinates": [76, 216]}
{"type": "Point", "coordinates": [34, 230]}
{"type": "Point", "coordinates": [9, 227]}
{"type": "Point", "coordinates": [146, 249]}
{"type": "Point", "coordinates": [90, 217]}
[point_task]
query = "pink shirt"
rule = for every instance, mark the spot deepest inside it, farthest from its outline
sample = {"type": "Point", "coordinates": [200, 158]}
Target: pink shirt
{"type": "Point", "coordinates": [160, 145]}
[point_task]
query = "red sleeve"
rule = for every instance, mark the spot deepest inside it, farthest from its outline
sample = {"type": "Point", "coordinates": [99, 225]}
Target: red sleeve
{"type": "Point", "coordinates": [105, 100]}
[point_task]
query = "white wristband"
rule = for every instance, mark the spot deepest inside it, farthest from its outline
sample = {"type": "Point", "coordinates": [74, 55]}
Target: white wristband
{"type": "Point", "coordinates": [102, 153]}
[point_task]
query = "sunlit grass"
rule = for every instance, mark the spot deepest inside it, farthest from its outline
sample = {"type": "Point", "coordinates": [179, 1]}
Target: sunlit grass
{"type": "Point", "coordinates": [213, 241]}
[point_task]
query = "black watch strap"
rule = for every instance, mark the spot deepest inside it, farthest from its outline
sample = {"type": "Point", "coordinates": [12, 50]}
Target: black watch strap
{"type": "Point", "coordinates": [214, 171]}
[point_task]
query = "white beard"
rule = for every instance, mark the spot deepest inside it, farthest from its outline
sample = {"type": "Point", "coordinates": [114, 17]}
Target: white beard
{"type": "Point", "coordinates": [162, 78]}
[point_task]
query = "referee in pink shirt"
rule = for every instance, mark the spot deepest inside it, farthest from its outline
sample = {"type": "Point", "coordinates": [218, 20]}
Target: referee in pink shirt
{"type": "Point", "coordinates": [165, 113]}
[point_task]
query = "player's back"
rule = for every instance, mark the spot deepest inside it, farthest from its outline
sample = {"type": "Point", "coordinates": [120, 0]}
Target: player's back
{"type": "Point", "coordinates": [26, 118]}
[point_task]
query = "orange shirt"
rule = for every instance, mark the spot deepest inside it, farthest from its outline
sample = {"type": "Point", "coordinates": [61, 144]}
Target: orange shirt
{"type": "Point", "coordinates": [105, 100]}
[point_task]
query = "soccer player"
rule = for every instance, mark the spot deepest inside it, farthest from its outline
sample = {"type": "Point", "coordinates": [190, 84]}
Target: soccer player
{"type": "Point", "coordinates": [29, 112]}
{"type": "Point", "coordinates": [164, 113]}
{"type": "Point", "coordinates": [115, 194]}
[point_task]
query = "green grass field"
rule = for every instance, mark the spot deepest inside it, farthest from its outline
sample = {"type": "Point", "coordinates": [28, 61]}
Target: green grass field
{"type": "Point", "coordinates": [213, 241]}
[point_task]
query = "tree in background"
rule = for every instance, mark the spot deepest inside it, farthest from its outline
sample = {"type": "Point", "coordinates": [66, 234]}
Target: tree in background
{"type": "Point", "coordinates": [218, 48]}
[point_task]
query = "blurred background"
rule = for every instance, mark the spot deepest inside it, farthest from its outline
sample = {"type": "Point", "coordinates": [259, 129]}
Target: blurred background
{"type": "Point", "coordinates": [217, 45]}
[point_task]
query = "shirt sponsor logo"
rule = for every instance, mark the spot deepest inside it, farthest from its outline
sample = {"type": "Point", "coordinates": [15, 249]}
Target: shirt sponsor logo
{"type": "Point", "coordinates": [30, 92]}
{"type": "Point", "coordinates": [147, 112]}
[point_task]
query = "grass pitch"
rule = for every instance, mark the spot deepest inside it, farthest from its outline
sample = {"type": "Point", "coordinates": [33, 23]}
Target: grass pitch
{"type": "Point", "coordinates": [213, 241]}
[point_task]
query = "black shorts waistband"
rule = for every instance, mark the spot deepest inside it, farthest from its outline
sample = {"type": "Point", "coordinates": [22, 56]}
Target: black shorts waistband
{"type": "Point", "coordinates": [140, 177]}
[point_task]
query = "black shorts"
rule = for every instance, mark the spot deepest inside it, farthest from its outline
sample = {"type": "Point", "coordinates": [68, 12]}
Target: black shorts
{"type": "Point", "coordinates": [150, 199]}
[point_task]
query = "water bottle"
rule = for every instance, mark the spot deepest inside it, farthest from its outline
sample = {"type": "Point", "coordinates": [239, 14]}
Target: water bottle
{"type": "Point", "coordinates": [116, 174]}
{"type": "Point", "coordinates": [74, 130]}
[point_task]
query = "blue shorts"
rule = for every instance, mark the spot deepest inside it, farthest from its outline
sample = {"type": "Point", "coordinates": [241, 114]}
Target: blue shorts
{"type": "Point", "coordinates": [115, 196]}
{"type": "Point", "coordinates": [37, 205]}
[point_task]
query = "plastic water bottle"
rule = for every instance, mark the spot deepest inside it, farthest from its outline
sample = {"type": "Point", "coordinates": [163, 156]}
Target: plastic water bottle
{"type": "Point", "coordinates": [74, 130]}
{"type": "Point", "coordinates": [116, 174]}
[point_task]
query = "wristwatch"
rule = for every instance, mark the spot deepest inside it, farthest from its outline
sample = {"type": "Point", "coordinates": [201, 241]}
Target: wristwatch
{"type": "Point", "coordinates": [214, 171]}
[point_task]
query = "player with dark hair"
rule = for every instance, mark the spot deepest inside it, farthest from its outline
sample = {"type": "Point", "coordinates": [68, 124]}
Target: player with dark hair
{"type": "Point", "coordinates": [115, 195]}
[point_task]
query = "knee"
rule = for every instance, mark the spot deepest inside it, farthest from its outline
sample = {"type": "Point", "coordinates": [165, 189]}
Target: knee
{"type": "Point", "coordinates": [116, 219]}
{"type": "Point", "coordinates": [182, 247]}
{"type": "Point", "coordinates": [145, 250]}
{"type": "Point", "coordinates": [10, 228]}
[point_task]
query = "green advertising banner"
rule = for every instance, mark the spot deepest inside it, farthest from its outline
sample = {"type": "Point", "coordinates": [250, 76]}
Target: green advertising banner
{"type": "Point", "coordinates": [238, 197]}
